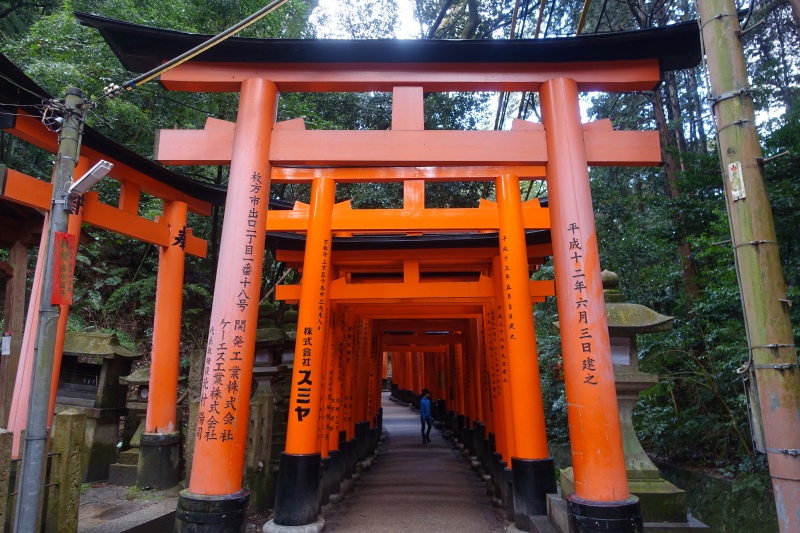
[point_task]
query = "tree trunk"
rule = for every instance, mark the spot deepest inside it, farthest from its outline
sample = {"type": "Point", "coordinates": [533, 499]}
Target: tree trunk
{"type": "Point", "coordinates": [773, 358]}
{"type": "Point", "coordinates": [688, 268]}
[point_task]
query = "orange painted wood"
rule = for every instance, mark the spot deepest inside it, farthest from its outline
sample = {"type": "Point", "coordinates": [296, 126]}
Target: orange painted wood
{"type": "Point", "coordinates": [612, 76]}
{"type": "Point", "coordinates": [419, 339]}
{"type": "Point", "coordinates": [592, 410]}
{"type": "Point", "coordinates": [129, 193]}
{"type": "Point", "coordinates": [31, 129]}
{"type": "Point", "coordinates": [308, 376]}
{"type": "Point", "coordinates": [457, 258]}
{"type": "Point", "coordinates": [444, 291]}
{"type": "Point", "coordinates": [234, 312]}
{"type": "Point", "coordinates": [622, 148]}
{"type": "Point", "coordinates": [407, 109]}
{"type": "Point", "coordinates": [404, 220]}
{"type": "Point", "coordinates": [530, 438]}
{"type": "Point", "coordinates": [210, 146]}
{"type": "Point", "coordinates": [504, 368]}
{"type": "Point", "coordinates": [422, 348]}
{"type": "Point", "coordinates": [412, 148]}
{"type": "Point", "coordinates": [35, 193]}
{"type": "Point", "coordinates": [373, 174]}
{"type": "Point", "coordinates": [361, 148]}
{"type": "Point", "coordinates": [413, 195]}
{"type": "Point", "coordinates": [161, 414]}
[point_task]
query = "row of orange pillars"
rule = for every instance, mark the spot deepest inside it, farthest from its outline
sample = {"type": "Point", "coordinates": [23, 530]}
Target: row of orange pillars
{"type": "Point", "coordinates": [334, 405]}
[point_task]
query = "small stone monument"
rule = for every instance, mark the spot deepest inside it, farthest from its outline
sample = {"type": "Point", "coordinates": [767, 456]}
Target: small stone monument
{"type": "Point", "coordinates": [91, 366]}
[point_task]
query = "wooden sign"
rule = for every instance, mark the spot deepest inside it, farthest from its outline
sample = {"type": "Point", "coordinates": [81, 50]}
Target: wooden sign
{"type": "Point", "coordinates": [64, 248]}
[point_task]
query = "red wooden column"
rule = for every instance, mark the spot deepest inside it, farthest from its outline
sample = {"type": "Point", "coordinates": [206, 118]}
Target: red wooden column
{"type": "Point", "coordinates": [508, 440]}
{"type": "Point", "coordinates": [160, 443]}
{"type": "Point", "coordinates": [598, 461]}
{"type": "Point", "coordinates": [224, 404]}
{"type": "Point", "coordinates": [441, 381]}
{"type": "Point", "coordinates": [297, 498]}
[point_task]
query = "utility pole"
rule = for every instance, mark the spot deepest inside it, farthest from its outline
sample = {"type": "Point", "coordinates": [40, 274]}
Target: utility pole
{"type": "Point", "coordinates": [34, 453]}
{"type": "Point", "coordinates": [772, 353]}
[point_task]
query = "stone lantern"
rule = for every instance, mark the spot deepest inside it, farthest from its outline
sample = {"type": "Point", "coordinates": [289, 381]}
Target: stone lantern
{"type": "Point", "coordinates": [663, 504]}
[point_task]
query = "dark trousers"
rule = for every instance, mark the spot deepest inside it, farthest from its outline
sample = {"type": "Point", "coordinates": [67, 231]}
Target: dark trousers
{"type": "Point", "coordinates": [426, 435]}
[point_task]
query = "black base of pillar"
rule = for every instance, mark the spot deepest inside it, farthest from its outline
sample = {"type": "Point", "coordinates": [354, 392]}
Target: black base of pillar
{"type": "Point", "coordinates": [159, 460]}
{"type": "Point", "coordinates": [586, 516]}
{"type": "Point", "coordinates": [480, 436]}
{"type": "Point", "coordinates": [441, 409]}
{"type": "Point", "coordinates": [351, 457]}
{"type": "Point", "coordinates": [198, 513]}
{"type": "Point", "coordinates": [497, 472]}
{"type": "Point", "coordinates": [297, 493]}
{"type": "Point", "coordinates": [508, 491]}
{"type": "Point", "coordinates": [533, 480]}
{"type": "Point", "coordinates": [335, 472]}
{"type": "Point", "coordinates": [460, 428]}
{"type": "Point", "coordinates": [362, 428]}
{"type": "Point", "coordinates": [487, 457]}
{"type": "Point", "coordinates": [325, 482]}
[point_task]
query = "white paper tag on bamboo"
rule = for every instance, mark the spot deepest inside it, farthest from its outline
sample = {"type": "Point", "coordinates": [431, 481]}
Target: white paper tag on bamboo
{"type": "Point", "coordinates": [735, 181]}
{"type": "Point", "coordinates": [5, 348]}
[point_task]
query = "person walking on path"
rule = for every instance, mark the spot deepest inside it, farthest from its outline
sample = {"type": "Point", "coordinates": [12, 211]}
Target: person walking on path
{"type": "Point", "coordinates": [425, 415]}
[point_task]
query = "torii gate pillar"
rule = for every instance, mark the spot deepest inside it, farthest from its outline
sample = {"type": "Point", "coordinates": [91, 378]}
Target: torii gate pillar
{"type": "Point", "coordinates": [601, 485]}
{"type": "Point", "coordinates": [215, 500]}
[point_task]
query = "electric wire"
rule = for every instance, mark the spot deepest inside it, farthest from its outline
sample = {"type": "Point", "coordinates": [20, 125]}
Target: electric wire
{"type": "Point", "coordinates": [17, 85]}
{"type": "Point", "coordinates": [199, 49]}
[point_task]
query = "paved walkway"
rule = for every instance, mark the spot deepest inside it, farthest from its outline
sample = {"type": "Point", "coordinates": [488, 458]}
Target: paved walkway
{"type": "Point", "coordinates": [415, 487]}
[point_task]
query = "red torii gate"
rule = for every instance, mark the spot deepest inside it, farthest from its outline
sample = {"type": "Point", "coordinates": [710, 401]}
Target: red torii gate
{"type": "Point", "coordinates": [169, 233]}
{"type": "Point", "coordinates": [259, 150]}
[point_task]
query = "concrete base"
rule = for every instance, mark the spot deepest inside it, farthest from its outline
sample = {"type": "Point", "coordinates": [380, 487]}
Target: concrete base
{"type": "Point", "coordinates": [159, 460]}
{"type": "Point", "coordinates": [316, 527]}
{"type": "Point", "coordinates": [124, 472]}
{"type": "Point", "coordinates": [198, 513]}
{"type": "Point", "coordinates": [660, 500]}
{"type": "Point", "coordinates": [557, 515]}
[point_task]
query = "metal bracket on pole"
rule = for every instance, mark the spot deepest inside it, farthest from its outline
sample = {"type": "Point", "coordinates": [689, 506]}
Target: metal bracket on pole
{"type": "Point", "coordinates": [776, 366]}
{"type": "Point", "coordinates": [784, 451]}
{"type": "Point", "coordinates": [730, 94]}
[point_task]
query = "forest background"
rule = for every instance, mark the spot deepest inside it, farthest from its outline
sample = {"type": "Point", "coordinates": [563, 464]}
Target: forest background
{"type": "Point", "coordinates": [664, 231]}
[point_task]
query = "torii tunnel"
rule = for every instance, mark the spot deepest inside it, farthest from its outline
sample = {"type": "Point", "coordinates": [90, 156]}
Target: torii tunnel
{"type": "Point", "coordinates": [446, 291]}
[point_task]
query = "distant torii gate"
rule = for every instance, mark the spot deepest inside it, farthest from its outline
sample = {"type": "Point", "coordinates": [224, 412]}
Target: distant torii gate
{"type": "Point", "coordinates": [259, 151]}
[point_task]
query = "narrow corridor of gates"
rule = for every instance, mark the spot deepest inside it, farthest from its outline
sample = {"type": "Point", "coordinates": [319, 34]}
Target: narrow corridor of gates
{"type": "Point", "coordinates": [414, 486]}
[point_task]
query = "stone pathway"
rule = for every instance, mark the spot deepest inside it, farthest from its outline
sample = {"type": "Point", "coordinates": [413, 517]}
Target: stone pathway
{"type": "Point", "coordinates": [105, 509]}
{"type": "Point", "coordinates": [415, 487]}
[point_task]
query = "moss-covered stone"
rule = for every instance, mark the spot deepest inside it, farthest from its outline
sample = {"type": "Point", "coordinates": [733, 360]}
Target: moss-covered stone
{"type": "Point", "coordinates": [270, 337]}
{"type": "Point", "coordinates": [290, 317]}
{"type": "Point", "coordinates": [100, 345]}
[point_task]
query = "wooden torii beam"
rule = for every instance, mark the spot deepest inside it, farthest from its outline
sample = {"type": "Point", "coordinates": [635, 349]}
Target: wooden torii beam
{"type": "Point", "coordinates": [36, 193]}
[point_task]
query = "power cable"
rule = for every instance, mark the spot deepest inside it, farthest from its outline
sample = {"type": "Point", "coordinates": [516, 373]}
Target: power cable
{"type": "Point", "coordinates": [114, 90]}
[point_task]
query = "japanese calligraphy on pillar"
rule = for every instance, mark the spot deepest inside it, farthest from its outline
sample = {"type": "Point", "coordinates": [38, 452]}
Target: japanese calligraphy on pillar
{"type": "Point", "coordinates": [311, 340]}
{"type": "Point", "coordinates": [224, 362]}
{"type": "Point", "coordinates": [494, 357]}
{"type": "Point", "coordinates": [373, 371]}
{"type": "Point", "coordinates": [579, 293]}
{"type": "Point", "coordinates": [332, 381]}
{"type": "Point", "coordinates": [501, 348]}
{"type": "Point", "coordinates": [508, 308]}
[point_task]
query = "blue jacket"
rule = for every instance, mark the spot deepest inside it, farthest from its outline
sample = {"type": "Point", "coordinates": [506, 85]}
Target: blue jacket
{"type": "Point", "coordinates": [424, 408]}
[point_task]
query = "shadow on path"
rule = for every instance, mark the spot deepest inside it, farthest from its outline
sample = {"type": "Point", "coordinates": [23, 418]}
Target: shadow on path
{"type": "Point", "coordinates": [414, 487]}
